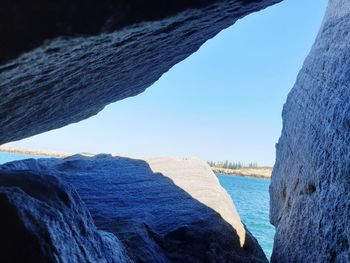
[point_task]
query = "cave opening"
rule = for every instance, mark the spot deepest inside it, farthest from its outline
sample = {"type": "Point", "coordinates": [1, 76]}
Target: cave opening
{"type": "Point", "coordinates": [219, 104]}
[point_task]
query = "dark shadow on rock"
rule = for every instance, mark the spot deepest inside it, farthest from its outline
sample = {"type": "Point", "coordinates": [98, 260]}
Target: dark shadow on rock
{"type": "Point", "coordinates": [156, 219]}
{"type": "Point", "coordinates": [63, 61]}
{"type": "Point", "coordinates": [44, 220]}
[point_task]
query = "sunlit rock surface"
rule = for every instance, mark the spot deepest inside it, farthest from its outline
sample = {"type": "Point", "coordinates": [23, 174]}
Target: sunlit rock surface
{"type": "Point", "coordinates": [163, 209]}
{"type": "Point", "coordinates": [78, 56]}
{"type": "Point", "coordinates": [44, 220]}
{"type": "Point", "coordinates": [310, 190]}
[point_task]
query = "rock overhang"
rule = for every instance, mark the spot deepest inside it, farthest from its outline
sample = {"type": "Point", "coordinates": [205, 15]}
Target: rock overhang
{"type": "Point", "coordinates": [61, 64]}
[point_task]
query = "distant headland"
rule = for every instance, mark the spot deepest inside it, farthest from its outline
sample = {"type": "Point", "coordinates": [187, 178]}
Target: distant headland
{"type": "Point", "coordinates": [258, 172]}
{"type": "Point", "coordinates": [238, 168]}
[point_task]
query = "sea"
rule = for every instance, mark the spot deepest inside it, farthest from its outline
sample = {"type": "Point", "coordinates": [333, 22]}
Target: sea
{"type": "Point", "coordinates": [250, 196]}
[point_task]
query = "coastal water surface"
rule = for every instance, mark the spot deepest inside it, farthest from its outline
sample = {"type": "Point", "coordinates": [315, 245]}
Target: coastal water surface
{"type": "Point", "coordinates": [9, 157]}
{"type": "Point", "coordinates": [250, 196]}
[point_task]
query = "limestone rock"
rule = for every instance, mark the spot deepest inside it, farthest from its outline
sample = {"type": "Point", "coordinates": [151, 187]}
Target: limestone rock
{"type": "Point", "coordinates": [163, 209]}
{"type": "Point", "coordinates": [44, 220]}
{"type": "Point", "coordinates": [81, 55]}
{"type": "Point", "coordinates": [310, 189]}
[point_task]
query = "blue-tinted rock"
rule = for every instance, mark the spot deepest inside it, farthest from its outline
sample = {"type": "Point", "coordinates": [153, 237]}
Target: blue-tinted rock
{"type": "Point", "coordinates": [163, 210]}
{"type": "Point", "coordinates": [80, 56]}
{"type": "Point", "coordinates": [310, 189]}
{"type": "Point", "coordinates": [44, 220]}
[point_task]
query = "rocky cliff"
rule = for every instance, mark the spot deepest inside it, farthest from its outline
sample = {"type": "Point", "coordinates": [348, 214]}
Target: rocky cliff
{"type": "Point", "coordinates": [310, 189]}
{"type": "Point", "coordinates": [63, 61]}
{"type": "Point", "coordinates": [161, 210]}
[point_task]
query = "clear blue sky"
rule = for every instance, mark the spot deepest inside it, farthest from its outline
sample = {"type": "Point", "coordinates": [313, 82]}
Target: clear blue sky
{"type": "Point", "coordinates": [222, 103]}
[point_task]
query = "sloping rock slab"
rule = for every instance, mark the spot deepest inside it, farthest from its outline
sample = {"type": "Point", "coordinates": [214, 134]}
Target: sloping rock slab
{"type": "Point", "coordinates": [82, 55]}
{"type": "Point", "coordinates": [163, 210]}
{"type": "Point", "coordinates": [310, 189]}
{"type": "Point", "coordinates": [44, 220]}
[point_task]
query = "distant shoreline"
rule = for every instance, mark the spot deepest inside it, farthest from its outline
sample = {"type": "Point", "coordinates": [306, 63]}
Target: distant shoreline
{"type": "Point", "coordinates": [256, 172]}
{"type": "Point", "coordinates": [33, 152]}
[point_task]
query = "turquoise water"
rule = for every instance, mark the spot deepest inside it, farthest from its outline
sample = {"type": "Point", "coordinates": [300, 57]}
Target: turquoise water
{"type": "Point", "coordinates": [251, 197]}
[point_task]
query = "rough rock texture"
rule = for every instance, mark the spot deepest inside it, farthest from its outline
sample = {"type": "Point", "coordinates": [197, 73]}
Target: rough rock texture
{"type": "Point", "coordinates": [310, 189]}
{"type": "Point", "coordinates": [82, 55]}
{"type": "Point", "coordinates": [44, 220]}
{"type": "Point", "coordinates": [163, 210]}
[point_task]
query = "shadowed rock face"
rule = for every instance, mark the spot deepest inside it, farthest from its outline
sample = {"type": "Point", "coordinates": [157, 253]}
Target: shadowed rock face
{"type": "Point", "coordinates": [163, 210]}
{"type": "Point", "coordinates": [80, 56]}
{"type": "Point", "coordinates": [27, 26]}
{"type": "Point", "coordinates": [44, 220]}
{"type": "Point", "coordinates": [310, 189]}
